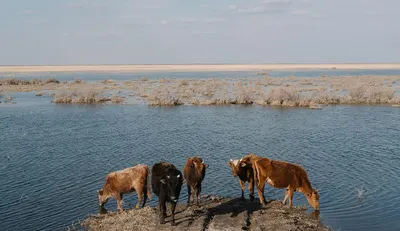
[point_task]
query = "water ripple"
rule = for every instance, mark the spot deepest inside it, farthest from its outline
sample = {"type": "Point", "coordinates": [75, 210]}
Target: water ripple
{"type": "Point", "coordinates": [59, 156]}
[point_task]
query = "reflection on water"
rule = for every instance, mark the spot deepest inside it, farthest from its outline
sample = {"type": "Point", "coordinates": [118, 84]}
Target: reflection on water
{"type": "Point", "coordinates": [59, 157]}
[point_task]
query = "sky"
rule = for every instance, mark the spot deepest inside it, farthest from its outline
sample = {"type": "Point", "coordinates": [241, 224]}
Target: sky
{"type": "Point", "coordinates": [68, 32]}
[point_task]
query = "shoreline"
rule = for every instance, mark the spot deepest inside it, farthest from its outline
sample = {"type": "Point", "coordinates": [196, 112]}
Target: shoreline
{"type": "Point", "coordinates": [195, 67]}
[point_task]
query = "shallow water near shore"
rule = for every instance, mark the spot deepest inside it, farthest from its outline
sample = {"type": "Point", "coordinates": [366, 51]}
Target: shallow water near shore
{"type": "Point", "coordinates": [53, 158]}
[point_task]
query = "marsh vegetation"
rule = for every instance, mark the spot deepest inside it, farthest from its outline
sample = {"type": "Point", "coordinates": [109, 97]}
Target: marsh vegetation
{"type": "Point", "coordinates": [263, 90]}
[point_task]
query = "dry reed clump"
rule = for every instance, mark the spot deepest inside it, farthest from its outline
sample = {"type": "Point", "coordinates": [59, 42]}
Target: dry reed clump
{"type": "Point", "coordinates": [80, 97]}
{"type": "Point", "coordinates": [306, 82]}
{"type": "Point", "coordinates": [108, 81]}
{"type": "Point", "coordinates": [369, 95]}
{"type": "Point", "coordinates": [15, 81]}
{"type": "Point", "coordinates": [163, 96]}
{"type": "Point", "coordinates": [243, 94]}
{"type": "Point", "coordinates": [117, 99]}
{"type": "Point", "coordinates": [78, 81]}
{"type": "Point", "coordinates": [325, 97]}
{"type": "Point", "coordinates": [283, 96]}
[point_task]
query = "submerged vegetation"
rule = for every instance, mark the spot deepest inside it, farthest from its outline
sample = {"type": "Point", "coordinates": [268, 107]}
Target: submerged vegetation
{"type": "Point", "coordinates": [262, 90]}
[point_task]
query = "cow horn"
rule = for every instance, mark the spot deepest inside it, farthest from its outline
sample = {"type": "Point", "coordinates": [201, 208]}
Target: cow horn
{"type": "Point", "coordinates": [231, 160]}
{"type": "Point", "coordinates": [202, 162]}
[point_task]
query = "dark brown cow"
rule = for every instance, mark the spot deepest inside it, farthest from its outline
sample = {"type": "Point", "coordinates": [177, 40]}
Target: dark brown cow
{"type": "Point", "coordinates": [194, 173]}
{"type": "Point", "coordinates": [245, 174]}
{"type": "Point", "coordinates": [281, 174]}
{"type": "Point", "coordinates": [126, 181]}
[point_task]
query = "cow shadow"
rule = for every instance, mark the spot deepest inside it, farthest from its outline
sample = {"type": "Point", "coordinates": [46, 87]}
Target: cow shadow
{"type": "Point", "coordinates": [211, 208]}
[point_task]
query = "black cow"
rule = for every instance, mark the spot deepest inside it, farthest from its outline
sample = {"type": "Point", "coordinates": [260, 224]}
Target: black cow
{"type": "Point", "coordinates": [166, 182]}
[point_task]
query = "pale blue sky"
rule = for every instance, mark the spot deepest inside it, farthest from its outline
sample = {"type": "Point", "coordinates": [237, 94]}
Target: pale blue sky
{"type": "Point", "coordinates": [207, 31]}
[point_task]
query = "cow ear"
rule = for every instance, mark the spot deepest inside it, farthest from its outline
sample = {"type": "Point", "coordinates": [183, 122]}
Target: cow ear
{"type": "Point", "coordinates": [100, 192]}
{"type": "Point", "coordinates": [243, 164]}
{"type": "Point", "coordinates": [206, 165]}
{"type": "Point", "coordinates": [229, 163]}
{"type": "Point", "coordinates": [163, 181]}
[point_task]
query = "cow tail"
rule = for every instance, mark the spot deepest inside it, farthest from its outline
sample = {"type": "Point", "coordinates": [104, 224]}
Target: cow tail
{"type": "Point", "coordinates": [148, 185]}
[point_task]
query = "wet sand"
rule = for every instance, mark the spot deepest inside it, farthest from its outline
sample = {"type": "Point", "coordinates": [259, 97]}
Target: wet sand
{"type": "Point", "coordinates": [213, 214]}
{"type": "Point", "coordinates": [195, 67]}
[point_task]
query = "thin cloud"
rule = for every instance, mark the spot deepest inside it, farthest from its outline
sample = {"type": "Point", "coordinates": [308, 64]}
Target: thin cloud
{"type": "Point", "coordinates": [27, 11]}
{"type": "Point", "coordinates": [232, 7]}
{"type": "Point", "coordinates": [202, 20]}
{"type": "Point", "coordinates": [164, 22]}
{"type": "Point", "coordinates": [300, 12]}
{"type": "Point", "coordinates": [372, 13]}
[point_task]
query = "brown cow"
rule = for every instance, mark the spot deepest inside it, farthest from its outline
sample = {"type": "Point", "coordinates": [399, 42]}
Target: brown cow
{"type": "Point", "coordinates": [194, 173]}
{"type": "Point", "coordinates": [281, 174]}
{"type": "Point", "coordinates": [125, 181]}
{"type": "Point", "coordinates": [245, 174]}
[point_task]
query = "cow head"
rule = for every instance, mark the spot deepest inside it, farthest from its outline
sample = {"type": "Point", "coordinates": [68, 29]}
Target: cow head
{"type": "Point", "coordinates": [173, 183]}
{"type": "Point", "coordinates": [313, 199]}
{"type": "Point", "coordinates": [247, 160]}
{"type": "Point", "coordinates": [101, 197]}
{"type": "Point", "coordinates": [199, 164]}
{"type": "Point", "coordinates": [235, 165]}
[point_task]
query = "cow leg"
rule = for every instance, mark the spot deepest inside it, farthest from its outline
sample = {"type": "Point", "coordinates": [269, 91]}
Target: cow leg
{"type": "Point", "coordinates": [260, 190]}
{"type": "Point", "coordinates": [198, 191]}
{"type": "Point", "coordinates": [119, 201]}
{"type": "Point", "coordinates": [291, 192]}
{"type": "Point", "coordinates": [173, 206]}
{"type": "Point", "coordinates": [194, 193]}
{"type": "Point", "coordinates": [163, 210]}
{"type": "Point", "coordinates": [140, 197]}
{"type": "Point", "coordinates": [189, 193]}
{"type": "Point", "coordinates": [144, 199]}
{"type": "Point", "coordinates": [286, 196]}
{"type": "Point", "coordinates": [251, 189]}
{"type": "Point", "coordinates": [242, 187]}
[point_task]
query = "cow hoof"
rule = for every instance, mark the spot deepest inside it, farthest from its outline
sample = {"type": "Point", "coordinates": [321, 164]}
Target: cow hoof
{"type": "Point", "coordinates": [242, 198]}
{"type": "Point", "coordinates": [173, 224]}
{"type": "Point", "coordinates": [251, 198]}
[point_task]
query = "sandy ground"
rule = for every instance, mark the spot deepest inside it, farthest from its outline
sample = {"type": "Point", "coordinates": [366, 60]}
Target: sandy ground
{"type": "Point", "coordinates": [193, 67]}
{"type": "Point", "coordinates": [213, 214]}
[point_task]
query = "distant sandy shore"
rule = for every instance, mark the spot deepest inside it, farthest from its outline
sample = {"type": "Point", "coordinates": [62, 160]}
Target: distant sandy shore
{"type": "Point", "coordinates": [192, 67]}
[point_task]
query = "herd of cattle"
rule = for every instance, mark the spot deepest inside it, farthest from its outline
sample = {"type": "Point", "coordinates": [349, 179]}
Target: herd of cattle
{"type": "Point", "coordinates": [167, 180]}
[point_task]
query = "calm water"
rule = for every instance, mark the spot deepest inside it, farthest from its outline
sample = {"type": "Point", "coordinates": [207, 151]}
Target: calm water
{"type": "Point", "coordinates": [67, 76]}
{"type": "Point", "coordinates": [54, 157]}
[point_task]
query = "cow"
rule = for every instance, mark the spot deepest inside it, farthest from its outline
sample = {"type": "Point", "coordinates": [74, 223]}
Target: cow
{"type": "Point", "coordinates": [166, 182]}
{"type": "Point", "coordinates": [194, 173]}
{"type": "Point", "coordinates": [280, 174]}
{"type": "Point", "coordinates": [245, 174]}
{"type": "Point", "coordinates": [125, 181]}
